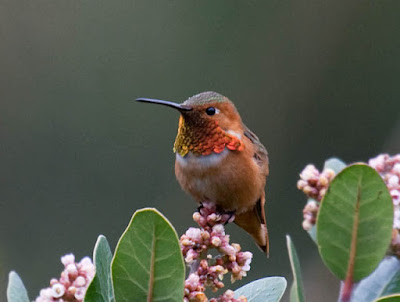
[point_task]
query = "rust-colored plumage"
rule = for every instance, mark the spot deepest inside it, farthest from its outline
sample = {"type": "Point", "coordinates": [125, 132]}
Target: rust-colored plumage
{"type": "Point", "coordinates": [218, 159]}
{"type": "Point", "coordinates": [203, 138]}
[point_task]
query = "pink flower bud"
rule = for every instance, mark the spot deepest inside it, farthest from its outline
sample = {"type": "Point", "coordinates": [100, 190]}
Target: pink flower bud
{"type": "Point", "coordinates": [72, 290]}
{"type": "Point", "coordinates": [228, 250]}
{"type": "Point", "coordinates": [53, 281]}
{"type": "Point", "coordinates": [229, 294]}
{"type": "Point", "coordinates": [196, 216]}
{"type": "Point", "coordinates": [205, 235]}
{"type": "Point", "coordinates": [307, 225]}
{"type": "Point", "coordinates": [80, 293]}
{"type": "Point", "coordinates": [219, 229]}
{"type": "Point", "coordinates": [396, 169]}
{"type": "Point", "coordinates": [68, 259]}
{"type": "Point", "coordinates": [46, 293]}
{"type": "Point", "coordinates": [58, 290]}
{"type": "Point", "coordinates": [215, 241]}
{"type": "Point", "coordinates": [237, 247]}
{"type": "Point", "coordinates": [80, 281]}
{"type": "Point", "coordinates": [72, 270]}
{"type": "Point", "coordinates": [301, 184]}
{"type": "Point", "coordinates": [194, 234]}
{"type": "Point", "coordinates": [190, 256]}
{"type": "Point", "coordinates": [212, 218]}
{"type": "Point", "coordinates": [323, 181]}
{"type": "Point", "coordinates": [393, 181]}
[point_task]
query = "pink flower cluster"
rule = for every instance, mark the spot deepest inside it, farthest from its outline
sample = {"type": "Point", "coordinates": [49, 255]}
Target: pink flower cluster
{"type": "Point", "coordinates": [310, 212]}
{"type": "Point", "coordinates": [73, 282]}
{"type": "Point", "coordinates": [206, 270]}
{"type": "Point", "coordinates": [389, 168]}
{"type": "Point", "coordinates": [314, 184]}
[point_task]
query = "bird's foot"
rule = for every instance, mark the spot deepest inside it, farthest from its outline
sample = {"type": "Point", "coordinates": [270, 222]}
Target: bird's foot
{"type": "Point", "coordinates": [230, 216]}
{"type": "Point", "coordinates": [201, 206]}
{"type": "Point", "coordinates": [209, 214]}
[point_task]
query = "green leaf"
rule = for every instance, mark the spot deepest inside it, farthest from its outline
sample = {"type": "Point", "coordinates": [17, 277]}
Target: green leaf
{"type": "Point", "coordinates": [335, 164]}
{"type": "Point", "coordinates": [313, 233]}
{"type": "Point", "coordinates": [16, 291]}
{"type": "Point", "coordinates": [100, 290]}
{"type": "Point", "coordinates": [391, 298]}
{"type": "Point", "coordinates": [269, 289]}
{"type": "Point", "coordinates": [354, 223]}
{"type": "Point", "coordinates": [385, 280]}
{"type": "Point", "coordinates": [148, 263]}
{"type": "Point", "coordinates": [296, 291]}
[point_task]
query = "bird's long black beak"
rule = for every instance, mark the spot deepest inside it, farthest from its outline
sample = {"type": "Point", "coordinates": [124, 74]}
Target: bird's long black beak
{"type": "Point", "coordinates": [180, 107]}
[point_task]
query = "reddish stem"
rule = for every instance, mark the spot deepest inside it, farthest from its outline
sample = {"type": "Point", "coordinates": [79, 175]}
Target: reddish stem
{"type": "Point", "coordinates": [346, 290]}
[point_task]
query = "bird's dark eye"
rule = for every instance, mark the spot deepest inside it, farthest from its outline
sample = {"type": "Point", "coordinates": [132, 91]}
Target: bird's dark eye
{"type": "Point", "coordinates": [210, 110]}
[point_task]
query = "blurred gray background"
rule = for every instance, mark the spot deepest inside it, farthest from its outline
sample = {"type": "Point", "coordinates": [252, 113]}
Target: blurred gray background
{"type": "Point", "coordinates": [313, 79]}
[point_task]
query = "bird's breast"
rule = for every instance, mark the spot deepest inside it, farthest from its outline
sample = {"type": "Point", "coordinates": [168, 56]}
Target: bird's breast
{"type": "Point", "coordinates": [195, 162]}
{"type": "Point", "coordinates": [231, 179]}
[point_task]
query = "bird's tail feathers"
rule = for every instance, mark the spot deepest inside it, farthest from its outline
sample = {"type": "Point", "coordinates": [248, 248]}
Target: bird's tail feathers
{"type": "Point", "coordinates": [254, 223]}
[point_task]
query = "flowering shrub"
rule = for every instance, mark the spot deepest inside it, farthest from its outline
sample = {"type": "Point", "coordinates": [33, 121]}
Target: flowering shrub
{"type": "Point", "coordinates": [148, 264]}
{"type": "Point", "coordinates": [352, 213]}
{"type": "Point", "coordinates": [351, 198]}
{"type": "Point", "coordinates": [314, 184]}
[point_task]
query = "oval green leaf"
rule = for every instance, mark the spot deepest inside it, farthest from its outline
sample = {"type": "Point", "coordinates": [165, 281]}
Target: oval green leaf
{"type": "Point", "coordinates": [148, 263]}
{"type": "Point", "coordinates": [355, 215]}
{"type": "Point", "coordinates": [296, 291]}
{"type": "Point", "coordinates": [100, 289]}
{"type": "Point", "coordinates": [385, 280]}
{"type": "Point", "coordinates": [269, 289]}
{"type": "Point", "coordinates": [391, 298]}
{"type": "Point", "coordinates": [16, 291]}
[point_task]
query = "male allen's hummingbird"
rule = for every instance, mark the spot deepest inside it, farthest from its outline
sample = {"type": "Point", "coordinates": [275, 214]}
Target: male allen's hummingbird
{"type": "Point", "coordinates": [219, 160]}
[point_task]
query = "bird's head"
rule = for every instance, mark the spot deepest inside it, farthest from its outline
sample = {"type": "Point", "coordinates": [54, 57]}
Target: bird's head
{"type": "Point", "coordinates": [209, 121]}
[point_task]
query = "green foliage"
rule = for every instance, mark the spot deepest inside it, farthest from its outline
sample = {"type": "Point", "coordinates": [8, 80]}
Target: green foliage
{"type": "Point", "coordinates": [296, 291]}
{"type": "Point", "coordinates": [385, 280]}
{"type": "Point", "coordinates": [353, 232]}
{"type": "Point", "coordinates": [355, 214]}
{"type": "Point", "coordinates": [269, 289]}
{"type": "Point", "coordinates": [16, 291]}
{"type": "Point", "coordinates": [148, 264]}
{"type": "Point", "coordinates": [391, 298]}
{"type": "Point", "coordinates": [100, 289]}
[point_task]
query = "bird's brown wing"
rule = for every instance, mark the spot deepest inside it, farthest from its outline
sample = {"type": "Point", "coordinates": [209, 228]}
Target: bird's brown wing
{"type": "Point", "coordinates": [260, 153]}
{"type": "Point", "coordinates": [253, 221]}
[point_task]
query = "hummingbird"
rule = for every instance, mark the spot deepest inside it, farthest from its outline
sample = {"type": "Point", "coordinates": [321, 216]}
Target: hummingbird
{"type": "Point", "coordinates": [220, 160]}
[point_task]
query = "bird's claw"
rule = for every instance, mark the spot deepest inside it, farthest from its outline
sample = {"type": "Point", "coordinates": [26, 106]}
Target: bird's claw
{"type": "Point", "coordinates": [231, 215]}
{"type": "Point", "coordinates": [200, 207]}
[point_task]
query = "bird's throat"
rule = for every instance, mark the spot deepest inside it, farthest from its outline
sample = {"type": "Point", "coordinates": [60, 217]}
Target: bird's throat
{"type": "Point", "coordinates": [204, 138]}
